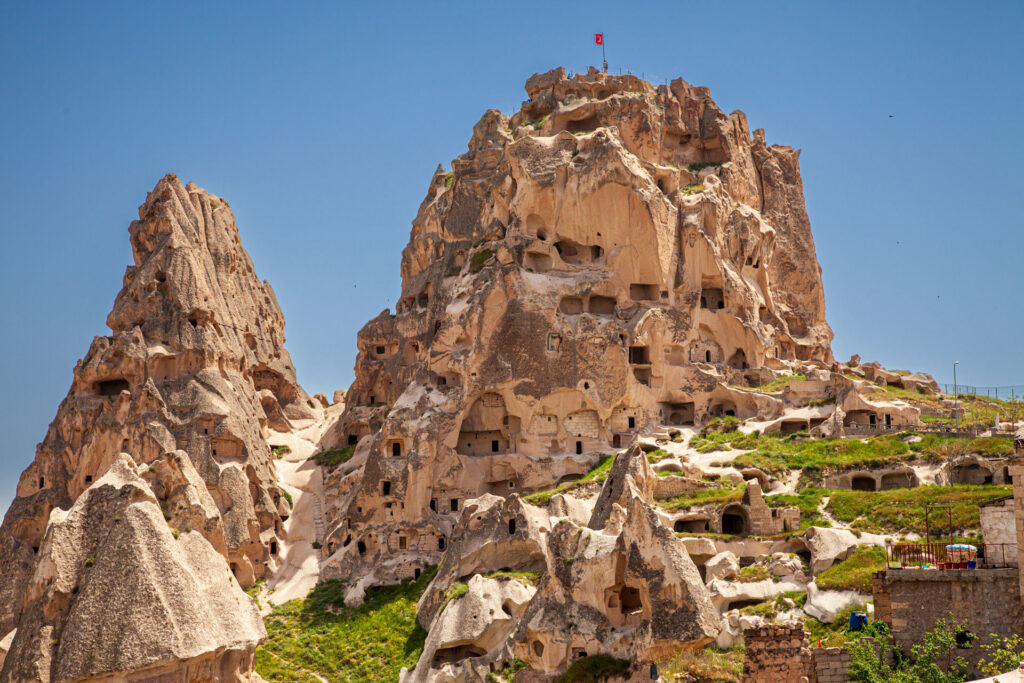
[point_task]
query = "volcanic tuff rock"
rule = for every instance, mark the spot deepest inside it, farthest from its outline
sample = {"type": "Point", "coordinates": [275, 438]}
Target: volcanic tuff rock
{"type": "Point", "coordinates": [193, 373]}
{"type": "Point", "coordinates": [614, 256]}
{"type": "Point", "coordinates": [115, 592]}
{"type": "Point", "coordinates": [624, 586]}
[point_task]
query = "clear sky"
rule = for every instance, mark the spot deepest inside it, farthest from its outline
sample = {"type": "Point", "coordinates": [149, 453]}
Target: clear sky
{"type": "Point", "coordinates": [321, 123]}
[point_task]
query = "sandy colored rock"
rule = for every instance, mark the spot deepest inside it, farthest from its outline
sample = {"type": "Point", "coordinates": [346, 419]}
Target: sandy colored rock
{"type": "Point", "coordinates": [535, 334]}
{"type": "Point", "coordinates": [116, 594]}
{"type": "Point", "coordinates": [473, 625]}
{"type": "Point", "coordinates": [493, 534]}
{"type": "Point", "coordinates": [196, 364]}
{"type": "Point", "coordinates": [828, 546]}
{"type": "Point", "coordinates": [723, 566]}
{"type": "Point", "coordinates": [5, 646]}
{"type": "Point", "coordinates": [825, 605]}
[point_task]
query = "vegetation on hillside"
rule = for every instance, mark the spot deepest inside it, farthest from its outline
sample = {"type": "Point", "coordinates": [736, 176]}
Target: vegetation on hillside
{"type": "Point", "coordinates": [594, 476]}
{"type": "Point", "coordinates": [334, 456]}
{"type": "Point", "coordinates": [319, 638]}
{"type": "Point", "coordinates": [705, 665]}
{"type": "Point", "coordinates": [854, 573]}
{"type": "Point", "coordinates": [593, 669]}
{"type": "Point", "coordinates": [901, 511]}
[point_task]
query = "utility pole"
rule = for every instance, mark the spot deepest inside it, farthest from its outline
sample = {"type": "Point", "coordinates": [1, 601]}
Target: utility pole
{"type": "Point", "coordinates": [956, 404]}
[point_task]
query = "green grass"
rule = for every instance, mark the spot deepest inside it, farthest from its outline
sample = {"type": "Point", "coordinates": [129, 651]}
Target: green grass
{"type": "Point", "coordinates": [854, 573]}
{"type": "Point", "coordinates": [319, 636]}
{"type": "Point", "coordinates": [691, 189]}
{"type": "Point", "coordinates": [724, 441]}
{"type": "Point", "coordinates": [596, 475]}
{"type": "Point", "coordinates": [593, 669]}
{"type": "Point", "coordinates": [807, 500]}
{"type": "Point", "coordinates": [724, 491]}
{"type": "Point", "coordinates": [476, 264]}
{"type": "Point", "coordinates": [334, 456]}
{"type": "Point", "coordinates": [287, 496]}
{"type": "Point", "coordinates": [455, 591]}
{"type": "Point", "coordinates": [753, 573]}
{"type": "Point", "coordinates": [280, 451]}
{"type": "Point", "coordinates": [836, 633]}
{"type": "Point", "coordinates": [903, 510]}
{"type": "Point", "coordinates": [706, 664]}
{"type": "Point", "coordinates": [526, 578]}
{"type": "Point", "coordinates": [657, 455]}
{"type": "Point", "coordinates": [776, 386]}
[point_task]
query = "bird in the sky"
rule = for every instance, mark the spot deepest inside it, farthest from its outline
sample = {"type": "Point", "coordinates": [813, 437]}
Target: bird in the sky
{"type": "Point", "coordinates": [891, 116]}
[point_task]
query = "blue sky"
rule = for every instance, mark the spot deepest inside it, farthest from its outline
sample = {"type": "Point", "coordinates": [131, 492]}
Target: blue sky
{"type": "Point", "coordinates": [321, 123]}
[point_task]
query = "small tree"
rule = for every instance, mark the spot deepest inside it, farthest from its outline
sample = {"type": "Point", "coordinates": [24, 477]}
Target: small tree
{"type": "Point", "coordinates": [878, 660]}
{"type": "Point", "coordinates": [1002, 655]}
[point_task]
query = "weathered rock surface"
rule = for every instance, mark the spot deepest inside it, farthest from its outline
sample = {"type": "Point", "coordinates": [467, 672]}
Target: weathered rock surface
{"type": "Point", "coordinates": [472, 625]}
{"type": "Point", "coordinates": [825, 605]}
{"type": "Point", "coordinates": [723, 566]}
{"type": "Point", "coordinates": [116, 594]}
{"type": "Point", "coordinates": [614, 256]}
{"type": "Point", "coordinates": [194, 369]}
{"type": "Point", "coordinates": [828, 546]}
{"type": "Point", "coordinates": [628, 588]}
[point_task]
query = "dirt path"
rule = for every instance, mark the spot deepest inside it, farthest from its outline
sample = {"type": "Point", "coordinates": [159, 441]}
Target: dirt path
{"type": "Point", "coordinates": [298, 567]}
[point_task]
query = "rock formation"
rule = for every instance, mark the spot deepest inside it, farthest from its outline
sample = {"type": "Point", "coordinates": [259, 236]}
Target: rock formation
{"type": "Point", "coordinates": [118, 592]}
{"type": "Point", "coordinates": [622, 585]}
{"type": "Point", "coordinates": [193, 374]}
{"type": "Point", "coordinates": [612, 257]}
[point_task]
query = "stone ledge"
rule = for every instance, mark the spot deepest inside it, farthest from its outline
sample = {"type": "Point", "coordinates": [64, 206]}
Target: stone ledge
{"type": "Point", "coordinates": [981, 574]}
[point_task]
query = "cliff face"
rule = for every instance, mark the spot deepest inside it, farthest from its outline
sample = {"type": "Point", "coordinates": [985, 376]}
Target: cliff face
{"type": "Point", "coordinates": [117, 594]}
{"type": "Point", "coordinates": [194, 370]}
{"type": "Point", "coordinates": [613, 257]}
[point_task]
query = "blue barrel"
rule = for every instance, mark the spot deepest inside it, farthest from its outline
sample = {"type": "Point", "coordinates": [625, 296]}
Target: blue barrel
{"type": "Point", "coordinates": [858, 620]}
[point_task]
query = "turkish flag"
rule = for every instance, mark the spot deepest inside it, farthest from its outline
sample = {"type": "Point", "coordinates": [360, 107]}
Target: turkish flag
{"type": "Point", "coordinates": [599, 38]}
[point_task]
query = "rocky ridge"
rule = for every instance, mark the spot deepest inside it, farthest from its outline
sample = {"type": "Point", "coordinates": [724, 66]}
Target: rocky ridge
{"type": "Point", "coordinates": [194, 372]}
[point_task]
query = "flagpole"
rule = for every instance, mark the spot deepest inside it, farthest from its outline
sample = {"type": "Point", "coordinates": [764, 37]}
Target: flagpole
{"type": "Point", "coordinates": [603, 58]}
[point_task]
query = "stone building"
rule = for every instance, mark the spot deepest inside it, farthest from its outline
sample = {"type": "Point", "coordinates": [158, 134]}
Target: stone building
{"type": "Point", "coordinates": [777, 653]}
{"type": "Point", "coordinates": [987, 600]}
{"type": "Point", "coordinates": [999, 531]}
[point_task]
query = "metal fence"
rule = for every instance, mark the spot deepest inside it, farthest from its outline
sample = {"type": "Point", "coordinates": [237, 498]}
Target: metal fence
{"type": "Point", "coordinates": [1010, 392]}
{"type": "Point", "coordinates": [937, 556]}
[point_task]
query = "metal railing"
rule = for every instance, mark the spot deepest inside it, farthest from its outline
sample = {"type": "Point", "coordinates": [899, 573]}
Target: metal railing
{"type": "Point", "coordinates": [936, 555]}
{"type": "Point", "coordinates": [1008, 391]}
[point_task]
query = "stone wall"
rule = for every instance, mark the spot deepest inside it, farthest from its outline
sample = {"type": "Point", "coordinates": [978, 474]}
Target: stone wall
{"type": "Point", "coordinates": [999, 529]}
{"type": "Point", "coordinates": [910, 601]}
{"type": "Point", "coordinates": [831, 664]}
{"type": "Point", "coordinates": [777, 653]}
{"type": "Point", "coordinates": [675, 485]}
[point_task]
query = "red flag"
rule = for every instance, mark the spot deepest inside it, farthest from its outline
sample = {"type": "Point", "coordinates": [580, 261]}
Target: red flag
{"type": "Point", "coordinates": [599, 38]}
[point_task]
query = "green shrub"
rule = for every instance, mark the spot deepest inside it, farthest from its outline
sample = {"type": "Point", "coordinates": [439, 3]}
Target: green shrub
{"type": "Point", "coordinates": [691, 189]}
{"type": "Point", "coordinates": [930, 661]}
{"type": "Point", "coordinates": [334, 456]}
{"type": "Point", "coordinates": [476, 264]}
{"type": "Point", "coordinates": [287, 496]}
{"type": "Point", "coordinates": [593, 669]}
{"type": "Point", "coordinates": [280, 451]}
{"type": "Point", "coordinates": [1001, 654]}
